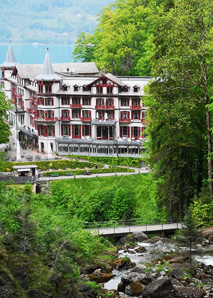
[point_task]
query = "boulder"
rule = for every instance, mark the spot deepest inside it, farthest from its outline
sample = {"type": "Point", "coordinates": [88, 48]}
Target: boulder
{"type": "Point", "coordinates": [190, 292]}
{"type": "Point", "coordinates": [131, 277]}
{"type": "Point", "coordinates": [177, 272]}
{"type": "Point", "coordinates": [134, 289]}
{"type": "Point", "coordinates": [139, 236]}
{"type": "Point", "coordinates": [21, 274]}
{"type": "Point", "coordinates": [100, 278]}
{"type": "Point", "coordinates": [6, 285]}
{"type": "Point", "coordinates": [162, 288]}
{"type": "Point", "coordinates": [123, 264]}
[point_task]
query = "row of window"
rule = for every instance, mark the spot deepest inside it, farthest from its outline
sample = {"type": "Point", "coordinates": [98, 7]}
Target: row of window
{"type": "Point", "coordinates": [86, 114]}
{"type": "Point", "coordinates": [79, 131]}
{"type": "Point", "coordinates": [135, 102]}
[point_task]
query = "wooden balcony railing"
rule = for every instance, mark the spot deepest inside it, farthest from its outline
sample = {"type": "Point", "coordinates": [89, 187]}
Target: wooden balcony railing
{"type": "Point", "coordinates": [76, 106]}
{"type": "Point", "coordinates": [65, 118]}
{"type": "Point", "coordinates": [135, 107]}
{"type": "Point", "coordinates": [126, 120]}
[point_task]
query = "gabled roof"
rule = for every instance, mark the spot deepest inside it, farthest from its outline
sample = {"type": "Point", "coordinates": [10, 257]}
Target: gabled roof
{"type": "Point", "coordinates": [10, 60]}
{"type": "Point", "coordinates": [48, 73]}
{"type": "Point", "coordinates": [110, 77]}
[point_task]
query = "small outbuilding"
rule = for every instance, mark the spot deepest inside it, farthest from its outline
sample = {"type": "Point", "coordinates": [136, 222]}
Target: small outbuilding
{"type": "Point", "coordinates": [26, 170]}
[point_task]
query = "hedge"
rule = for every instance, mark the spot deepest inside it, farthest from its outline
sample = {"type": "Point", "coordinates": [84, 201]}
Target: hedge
{"type": "Point", "coordinates": [52, 164]}
{"type": "Point", "coordinates": [114, 161]}
{"type": "Point", "coordinates": [92, 171]}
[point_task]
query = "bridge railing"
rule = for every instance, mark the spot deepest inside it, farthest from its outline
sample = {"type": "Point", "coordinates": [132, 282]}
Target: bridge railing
{"type": "Point", "coordinates": [129, 223]}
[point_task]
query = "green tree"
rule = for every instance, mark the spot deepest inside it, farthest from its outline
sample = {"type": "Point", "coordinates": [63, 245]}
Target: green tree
{"type": "Point", "coordinates": [4, 127]}
{"type": "Point", "coordinates": [84, 48]}
{"type": "Point", "coordinates": [180, 101]}
{"type": "Point", "coordinates": [190, 233]}
{"type": "Point", "coordinates": [123, 38]}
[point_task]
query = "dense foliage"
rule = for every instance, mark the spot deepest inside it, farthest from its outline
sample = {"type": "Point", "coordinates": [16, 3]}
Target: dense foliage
{"type": "Point", "coordinates": [122, 42]}
{"type": "Point", "coordinates": [179, 100]}
{"type": "Point", "coordinates": [4, 127]}
{"type": "Point", "coordinates": [109, 199]}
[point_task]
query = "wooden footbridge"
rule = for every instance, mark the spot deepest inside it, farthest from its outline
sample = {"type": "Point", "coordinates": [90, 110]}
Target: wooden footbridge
{"type": "Point", "coordinates": [128, 229]}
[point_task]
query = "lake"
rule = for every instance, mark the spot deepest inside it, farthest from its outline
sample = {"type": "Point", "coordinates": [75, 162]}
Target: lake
{"type": "Point", "coordinates": [35, 54]}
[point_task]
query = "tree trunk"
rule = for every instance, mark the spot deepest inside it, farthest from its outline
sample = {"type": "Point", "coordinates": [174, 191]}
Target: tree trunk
{"type": "Point", "coordinates": [209, 138]}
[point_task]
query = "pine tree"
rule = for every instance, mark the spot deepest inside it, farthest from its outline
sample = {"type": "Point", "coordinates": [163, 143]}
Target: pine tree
{"type": "Point", "coordinates": [190, 233]}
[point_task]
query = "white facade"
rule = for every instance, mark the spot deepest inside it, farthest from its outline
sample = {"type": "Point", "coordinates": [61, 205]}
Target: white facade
{"type": "Point", "coordinates": [82, 113]}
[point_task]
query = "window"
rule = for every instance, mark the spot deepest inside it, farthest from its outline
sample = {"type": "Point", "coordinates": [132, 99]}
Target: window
{"type": "Point", "coordinates": [76, 87]}
{"type": "Point", "coordinates": [65, 113]}
{"type": "Point", "coordinates": [75, 114]}
{"type": "Point", "coordinates": [124, 131]}
{"type": "Point", "coordinates": [65, 101]}
{"type": "Point", "coordinates": [126, 88]}
{"type": "Point", "coordinates": [124, 102]}
{"type": "Point", "coordinates": [99, 89]}
{"type": "Point", "coordinates": [135, 115]}
{"type": "Point", "coordinates": [124, 115]}
{"type": "Point", "coordinates": [75, 100]}
{"type": "Point", "coordinates": [110, 115]}
{"type": "Point", "coordinates": [110, 102]}
{"type": "Point", "coordinates": [100, 115]}
{"type": "Point", "coordinates": [76, 131]}
{"type": "Point", "coordinates": [86, 130]}
{"type": "Point", "coordinates": [48, 88]}
{"type": "Point", "coordinates": [64, 87]}
{"type": "Point", "coordinates": [99, 102]}
{"type": "Point", "coordinates": [41, 101]}
{"type": "Point", "coordinates": [65, 130]}
{"type": "Point", "coordinates": [86, 101]}
{"type": "Point", "coordinates": [40, 88]}
{"type": "Point", "coordinates": [84, 88]}
{"type": "Point", "coordinates": [86, 114]}
{"type": "Point", "coordinates": [109, 89]}
{"type": "Point", "coordinates": [136, 88]}
{"type": "Point", "coordinates": [49, 101]}
{"type": "Point", "coordinates": [136, 102]}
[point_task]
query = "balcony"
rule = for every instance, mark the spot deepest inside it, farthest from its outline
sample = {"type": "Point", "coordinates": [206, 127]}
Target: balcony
{"type": "Point", "coordinates": [76, 106]}
{"type": "Point", "coordinates": [65, 118]}
{"type": "Point", "coordinates": [100, 107]}
{"type": "Point", "coordinates": [111, 107]}
{"type": "Point", "coordinates": [86, 119]}
{"type": "Point", "coordinates": [48, 119]}
{"type": "Point", "coordinates": [135, 108]}
{"type": "Point", "coordinates": [126, 120]}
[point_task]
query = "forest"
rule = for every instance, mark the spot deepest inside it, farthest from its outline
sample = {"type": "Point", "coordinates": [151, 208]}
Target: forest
{"type": "Point", "coordinates": [50, 21]}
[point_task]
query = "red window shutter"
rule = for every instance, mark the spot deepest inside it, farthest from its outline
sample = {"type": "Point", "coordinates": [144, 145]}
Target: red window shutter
{"type": "Point", "coordinates": [83, 130]}
{"type": "Point", "coordinates": [128, 132]}
{"type": "Point", "coordinates": [121, 135]}
{"type": "Point", "coordinates": [62, 130]}
{"type": "Point", "coordinates": [69, 131]}
{"type": "Point", "coordinates": [52, 114]}
{"type": "Point", "coordinates": [90, 130]}
{"type": "Point", "coordinates": [73, 134]}
{"type": "Point", "coordinates": [52, 101]}
{"type": "Point", "coordinates": [45, 114]}
{"type": "Point", "coordinates": [132, 132]}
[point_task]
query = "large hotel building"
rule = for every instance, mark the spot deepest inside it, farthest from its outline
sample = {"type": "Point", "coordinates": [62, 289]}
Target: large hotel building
{"type": "Point", "coordinates": [73, 109]}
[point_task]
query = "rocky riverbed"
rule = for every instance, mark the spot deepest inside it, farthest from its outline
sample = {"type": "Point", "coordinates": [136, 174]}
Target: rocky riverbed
{"type": "Point", "coordinates": [155, 268]}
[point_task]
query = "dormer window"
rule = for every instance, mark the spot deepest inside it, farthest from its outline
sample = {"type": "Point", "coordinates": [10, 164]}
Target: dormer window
{"type": "Point", "coordinates": [136, 88]}
{"type": "Point", "coordinates": [126, 88]}
{"type": "Point", "coordinates": [76, 87]}
{"type": "Point", "coordinates": [64, 87]}
{"type": "Point", "coordinates": [84, 88]}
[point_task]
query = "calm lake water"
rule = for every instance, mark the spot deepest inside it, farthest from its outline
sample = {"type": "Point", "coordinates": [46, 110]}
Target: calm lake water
{"type": "Point", "coordinates": [35, 54]}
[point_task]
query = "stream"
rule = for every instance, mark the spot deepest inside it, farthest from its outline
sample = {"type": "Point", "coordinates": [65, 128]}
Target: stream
{"type": "Point", "coordinates": [153, 251]}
